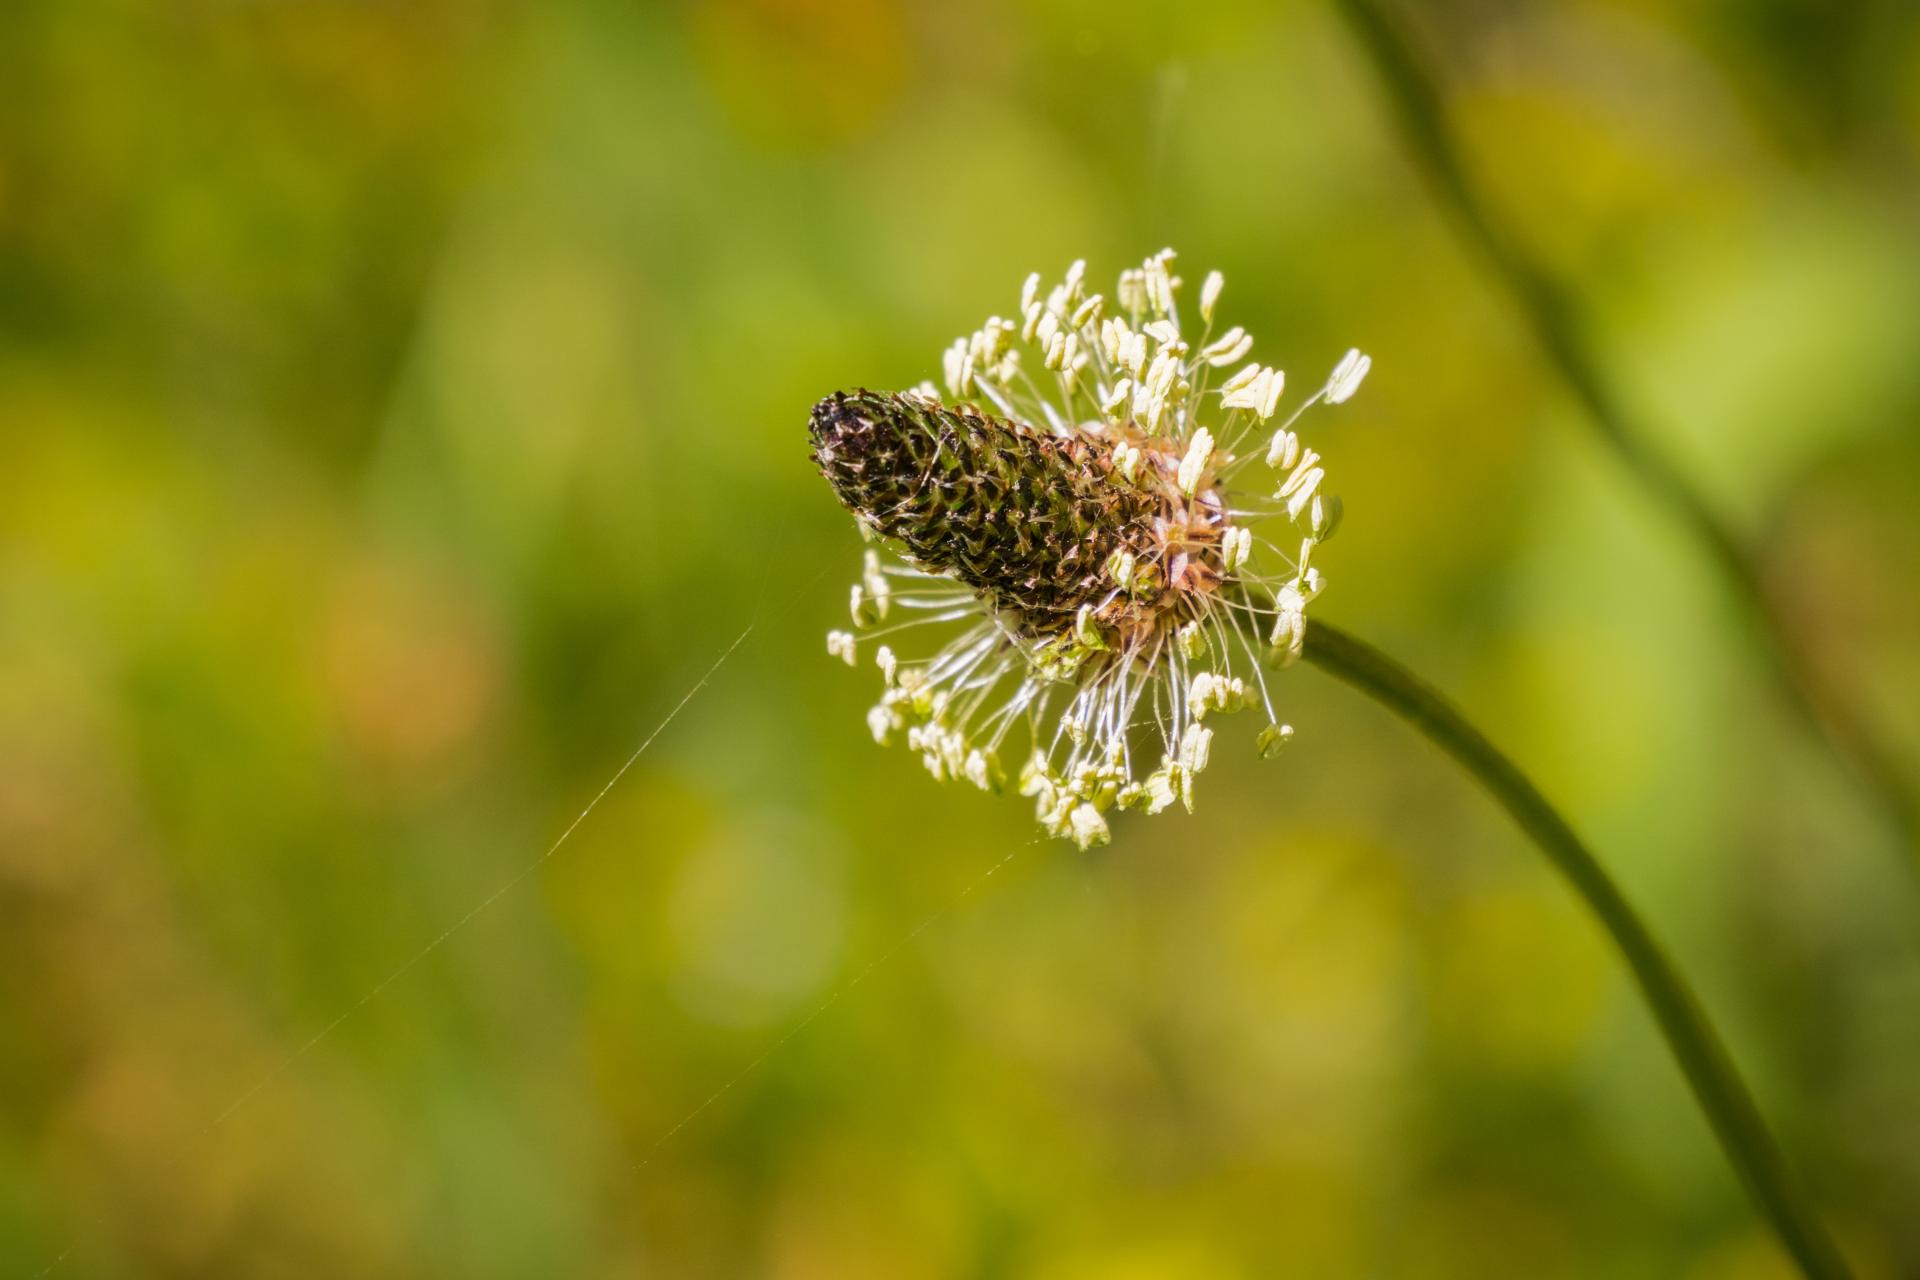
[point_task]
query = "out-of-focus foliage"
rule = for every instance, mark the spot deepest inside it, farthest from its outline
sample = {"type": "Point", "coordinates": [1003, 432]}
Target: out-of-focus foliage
{"type": "Point", "coordinates": [401, 406]}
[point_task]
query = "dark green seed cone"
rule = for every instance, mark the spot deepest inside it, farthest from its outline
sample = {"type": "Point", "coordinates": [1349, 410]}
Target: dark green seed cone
{"type": "Point", "coordinates": [1025, 517]}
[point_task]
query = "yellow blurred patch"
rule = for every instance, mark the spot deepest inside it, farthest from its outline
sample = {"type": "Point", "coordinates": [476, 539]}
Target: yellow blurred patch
{"type": "Point", "coordinates": [1523, 979]}
{"type": "Point", "coordinates": [803, 72]}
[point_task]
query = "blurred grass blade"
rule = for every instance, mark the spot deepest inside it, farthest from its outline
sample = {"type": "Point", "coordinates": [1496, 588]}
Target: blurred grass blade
{"type": "Point", "coordinates": [1715, 1081]}
{"type": "Point", "coordinates": [1548, 307]}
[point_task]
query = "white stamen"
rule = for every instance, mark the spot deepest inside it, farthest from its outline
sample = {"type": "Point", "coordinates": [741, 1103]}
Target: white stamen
{"type": "Point", "coordinates": [1347, 376]}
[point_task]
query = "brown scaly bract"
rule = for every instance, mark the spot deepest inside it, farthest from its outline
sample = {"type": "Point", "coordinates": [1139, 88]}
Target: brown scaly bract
{"type": "Point", "coordinates": [1026, 518]}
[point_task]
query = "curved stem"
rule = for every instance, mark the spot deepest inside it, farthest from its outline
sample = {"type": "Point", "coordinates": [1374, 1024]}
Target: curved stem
{"type": "Point", "coordinates": [1548, 307]}
{"type": "Point", "coordinates": [1709, 1070]}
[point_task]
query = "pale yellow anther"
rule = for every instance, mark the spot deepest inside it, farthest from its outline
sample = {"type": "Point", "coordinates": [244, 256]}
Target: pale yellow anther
{"type": "Point", "coordinates": [1196, 747]}
{"type": "Point", "coordinates": [1238, 381]}
{"type": "Point", "coordinates": [1228, 347]}
{"type": "Point", "coordinates": [1236, 545]}
{"type": "Point", "coordinates": [1210, 294]}
{"type": "Point", "coordinates": [1285, 449]}
{"type": "Point", "coordinates": [1270, 398]}
{"type": "Point", "coordinates": [1089, 827]}
{"type": "Point", "coordinates": [1030, 320]}
{"type": "Point", "coordinates": [879, 592]}
{"type": "Point", "coordinates": [1273, 740]}
{"type": "Point", "coordinates": [1260, 392]}
{"type": "Point", "coordinates": [1304, 492]}
{"type": "Point", "coordinates": [1047, 330]}
{"type": "Point", "coordinates": [1194, 466]}
{"type": "Point", "coordinates": [1347, 377]}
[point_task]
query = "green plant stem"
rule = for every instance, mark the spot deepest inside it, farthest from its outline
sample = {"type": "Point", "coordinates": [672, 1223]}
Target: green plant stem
{"type": "Point", "coordinates": [1709, 1070]}
{"type": "Point", "coordinates": [1414, 95]}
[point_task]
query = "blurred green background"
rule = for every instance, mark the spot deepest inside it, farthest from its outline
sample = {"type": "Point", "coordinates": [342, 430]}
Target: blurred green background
{"type": "Point", "coordinates": [401, 406]}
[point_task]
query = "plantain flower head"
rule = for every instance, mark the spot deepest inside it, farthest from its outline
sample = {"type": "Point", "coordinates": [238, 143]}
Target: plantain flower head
{"type": "Point", "coordinates": [1105, 532]}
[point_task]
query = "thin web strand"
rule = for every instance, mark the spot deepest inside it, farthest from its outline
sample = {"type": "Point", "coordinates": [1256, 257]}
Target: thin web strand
{"type": "Point", "coordinates": [292, 1059]}
{"type": "Point", "coordinates": [508, 886]}
{"type": "Point", "coordinates": [833, 998]}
